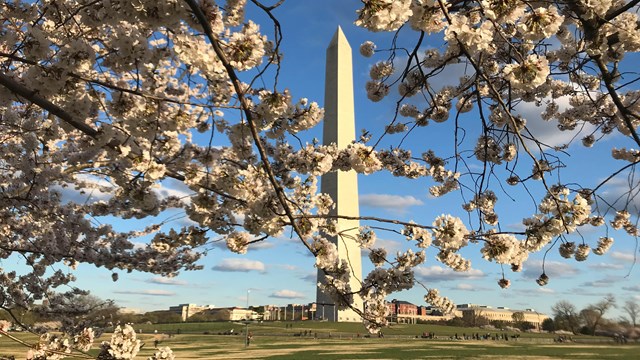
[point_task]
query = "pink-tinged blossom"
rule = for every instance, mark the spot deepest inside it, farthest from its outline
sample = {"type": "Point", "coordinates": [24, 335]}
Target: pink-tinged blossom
{"type": "Point", "coordinates": [381, 70]}
{"type": "Point", "coordinates": [582, 252]}
{"type": "Point", "coordinates": [542, 280]}
{"type": "Point", "coordinates": [531, 72]}
{"type": "Point", "coordinates": [449, 233]}
{"type": "Point", "coordinates": [123, 344]}
{"type": "Point", "coordinates": [474, 38]}
{"type": "Point", "coordinates": [367, 49]}
{"type": "Point", "coordinates": [540, 23]}
{"type": "Point", "coordinates": [246, 49]}
{"type": "Point", "coordinates": [238, 242]}
{"type": "Point", "coordinates": [376, 90]}
{"type": "Point", "coordinates": [433, 297]}
{"type": "Point", "coordinates": [4, 325]}
{"type": "Point", "coordinates": [604, 244]}
{"type": "Point", "coordinates": [383, 15]}
{"type": "Point", "coordinates": [366, 237]}
{"type": "Point", "coordinates": [163, 353]}
{"type": "Point", "coordinates": [504, 283]}
{"type": "Point", "coordinates": [427, 16]}
{"type": "Point", "coordinates": [378, 256]}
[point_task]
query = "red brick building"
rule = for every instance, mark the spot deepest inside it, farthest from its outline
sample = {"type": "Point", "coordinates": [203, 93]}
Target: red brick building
{"type": "Point", "coordinates": [400, 307]}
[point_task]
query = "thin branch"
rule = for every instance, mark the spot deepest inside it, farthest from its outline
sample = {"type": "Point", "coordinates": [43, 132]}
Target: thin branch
{"type": "Point", "coordinates": [237, 85]}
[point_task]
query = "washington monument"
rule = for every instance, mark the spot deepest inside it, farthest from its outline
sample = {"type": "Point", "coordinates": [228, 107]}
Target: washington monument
{"type": "Point", "coordinates": [339, 128]}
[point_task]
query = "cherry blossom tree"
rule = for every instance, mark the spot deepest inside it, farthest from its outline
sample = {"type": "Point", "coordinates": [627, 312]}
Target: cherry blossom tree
{"type": "Point", "coordinates": [113, 98]}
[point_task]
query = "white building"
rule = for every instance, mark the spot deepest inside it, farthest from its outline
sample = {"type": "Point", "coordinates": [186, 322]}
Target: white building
{"type": "Point", "coordinates": [187, 310]}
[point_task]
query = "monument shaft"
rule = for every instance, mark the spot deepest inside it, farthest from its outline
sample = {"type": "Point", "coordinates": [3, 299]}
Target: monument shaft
{"type": "Point", "coordinates": [339, 128]}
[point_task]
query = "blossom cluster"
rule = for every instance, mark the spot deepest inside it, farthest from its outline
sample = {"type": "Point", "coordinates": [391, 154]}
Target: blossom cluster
{"type": "Point", "coordinates": [4, 325]}
{"type": "Point", "coordinates": [163, 353]}
{"type": "Point", "coordinates": [123, 344]}
{"type": "Point", "coordinates": [50, 347]}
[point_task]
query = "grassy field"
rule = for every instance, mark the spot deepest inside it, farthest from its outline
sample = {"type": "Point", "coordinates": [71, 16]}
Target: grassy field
{"type": "Point", "coordinates": [323, 329]}
{"type": "Point", "coordinates": [278, 341]}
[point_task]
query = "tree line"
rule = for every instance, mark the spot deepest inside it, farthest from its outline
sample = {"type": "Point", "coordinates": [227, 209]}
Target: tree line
{"type": "Point", "coordinates": [592, 320]}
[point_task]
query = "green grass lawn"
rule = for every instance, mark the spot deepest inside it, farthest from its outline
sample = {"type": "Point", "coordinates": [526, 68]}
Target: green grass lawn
{"type": "Point", "coordinates": [277, 341]}
{"type": "Point", "coordinates": [324, 328]}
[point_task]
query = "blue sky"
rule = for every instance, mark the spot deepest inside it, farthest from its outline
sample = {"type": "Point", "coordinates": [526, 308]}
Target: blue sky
{"type": "Point", "coordinates": [279, 271]}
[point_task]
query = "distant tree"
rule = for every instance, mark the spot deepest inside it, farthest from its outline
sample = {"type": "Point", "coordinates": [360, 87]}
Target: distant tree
{"type": "Point", "coordinates": [548, 325]}
{"type": "Point", "coordinates": [633, 311]}
{"type": "Point", "coordinates": [481, 321]}
{"type": "Point", "coordinates": [498, 324]}
{"type": "Point", "coordinates": [593, 314]}
{"type": "Point", "coordinates": [161, 316]}
{"type": "Point", "coordinates": [78, 310]}
{"type": "Point", "coordinates": [590, 319]}
{"type": "Point", "coordinates": [128, 318]}
{"type": "Point", "coordinates": [204, 316]}
{"type": "Point", "coordinates": [21, 316]}
{"type": "Point", "coordinates": [456, 321]}
{"type": "Point", "coordinates": [518, 319]}
{"type": "Point", "coordinates": [475, 318]}
{"type": "Point", "coordinates": [566, 316]}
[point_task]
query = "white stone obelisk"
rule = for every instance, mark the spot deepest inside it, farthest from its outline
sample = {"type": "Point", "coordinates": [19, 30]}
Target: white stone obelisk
{"type": "Point", "coordinates": [339, 128]}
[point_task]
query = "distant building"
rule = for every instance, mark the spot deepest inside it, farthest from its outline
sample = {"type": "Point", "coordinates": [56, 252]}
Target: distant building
{"type": "Point", "coordinates": [402, 311]}
{"type": "Point", "coordinates": [473, 311]}
{"type": "Point", "coordinates": [231, 314]}
{"type": "Point", "coordinates": [187, 310]}
{"type": "Point", "coordinates": [291, 312]}
{"type": "Point", "coordinates": [405, 312]}
{"type": "Point", "coordinates": [400, 307]}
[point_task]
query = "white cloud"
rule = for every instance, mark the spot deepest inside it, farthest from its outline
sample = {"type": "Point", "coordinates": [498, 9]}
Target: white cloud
{"type": "Point", "coordinates": [585, 291]}
{"type": "Point", "coordinates": [172, 187]}
{"type": "Point", "coordinates": [239, 265]}
{"type": "Point", "coordinates": [450, 77]}
{"type": "Point", "coordinates": [287, 294]}
{"type": "Point", "coordinates": [632, 288]}
{"type": "Point", "coordinates": [288, 267]}
{"type": "Point", "coordinates": [100, 190]}
{"type": "Point", "coordinates": [387, 201]}
{"type": "Point", "coordinates": [606, 266]}
{"type": "Point", "coordinates": [90, 195]}
{"type": "Point", "coordinates": [166, 281]}
{"type": "Point", "coordinates": [261, 245]}
{"type": "Point", "coordinates": [464, 287]}
{"type": "Point", "coordinates": [392, 247]}
{"type": "Point", "coordinates": [152, 292]}
{"type": "Point", "coordinates": [545, 290]}
{"type": "Point", "coordinates": [472, 287]}
{"type": "Point", "coordinates": [553, 269]}
{"type": "Point", "coordinates": [139, 245]}
{"type": "Point", "coordinates": [547, 131]}
{"type": "Point", "coordinates": [602, 283]}
{"type": "Point", "coordinates": [618, 192]}
{"type": "Point", "coordinates": [530, 291]}
{"type": "Point", "coordinates": [628, 257]}
{"type": "Point", "coordinates": [310, 277]}
{"type": "Point", "coordinates": [436, 273]}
